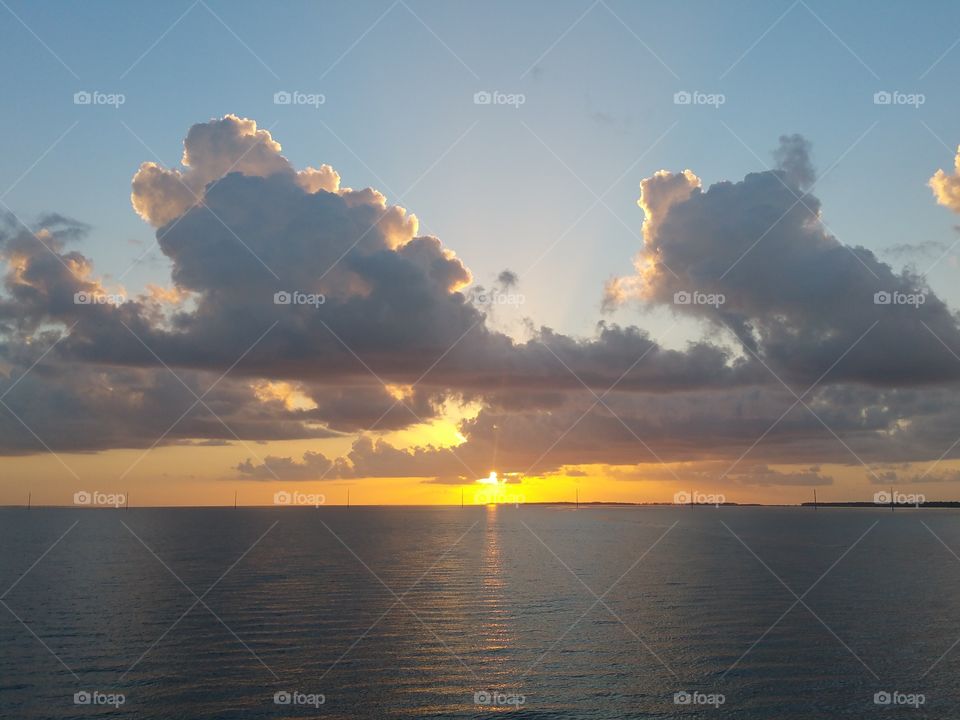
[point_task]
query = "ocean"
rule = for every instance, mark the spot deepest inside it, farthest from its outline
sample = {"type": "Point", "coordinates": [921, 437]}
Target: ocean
{"type": "Point", "coordinates": [532, 611]}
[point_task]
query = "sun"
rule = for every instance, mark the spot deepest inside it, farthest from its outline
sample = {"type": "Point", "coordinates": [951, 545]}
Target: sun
{"type": "Point", "coordinates": [492, 479]}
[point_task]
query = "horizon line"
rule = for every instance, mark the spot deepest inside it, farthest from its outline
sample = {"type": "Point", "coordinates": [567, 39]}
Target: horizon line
{"type": "Point", "coordinates": [605, 503]}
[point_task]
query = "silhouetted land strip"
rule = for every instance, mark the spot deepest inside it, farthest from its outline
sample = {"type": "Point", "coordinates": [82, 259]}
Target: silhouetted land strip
{"type": "Point", "coordinates": [929, 504]}
{"type": "Point", "coordinates": [906, 506]}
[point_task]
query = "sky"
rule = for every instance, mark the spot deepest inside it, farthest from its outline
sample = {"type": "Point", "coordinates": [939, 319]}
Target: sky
{"type": "Point", "coordinates": [526, 322]}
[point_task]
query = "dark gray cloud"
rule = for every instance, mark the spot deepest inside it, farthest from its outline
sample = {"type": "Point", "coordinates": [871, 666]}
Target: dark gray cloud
{"type": "Point", "coordinates": [391, 308]}
{"type": "Point", "coordinates": [68, 407]}
{"type": "Point", "coordinates": [715, 434]}
{"type": "Point", "coordinates": [792, 158]}
{"type": "Point", "coordinates": [391, 300]}
{"type": "Point", "coordinates": [924, 249]}
{"type": "Point", "coordinates": [767, 269]}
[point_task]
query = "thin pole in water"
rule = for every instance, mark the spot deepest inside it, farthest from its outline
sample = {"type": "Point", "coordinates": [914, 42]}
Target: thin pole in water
{"type": "Point", "coordinates": [234, 499]}
{"type": "Point", "coordinates": [29, 500]}
{"type": "Point", "coordinates": [814, 499]}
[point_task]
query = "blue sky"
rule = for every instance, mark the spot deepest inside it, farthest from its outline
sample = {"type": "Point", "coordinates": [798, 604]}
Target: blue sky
{"type": "Point", "coordinates": [501, 183]}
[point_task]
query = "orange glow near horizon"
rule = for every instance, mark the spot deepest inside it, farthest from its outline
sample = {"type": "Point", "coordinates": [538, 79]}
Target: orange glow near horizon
{"type": "Point", "coordinates": [200, 476]}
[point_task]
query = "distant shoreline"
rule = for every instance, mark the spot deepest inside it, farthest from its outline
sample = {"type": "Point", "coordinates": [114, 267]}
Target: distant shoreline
{"type": "Point", "coordinates": [850, 504]}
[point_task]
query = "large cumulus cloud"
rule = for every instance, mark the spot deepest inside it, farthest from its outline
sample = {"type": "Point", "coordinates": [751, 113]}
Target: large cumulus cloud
{"type": "Point", "coordinates": [211, 151]}
{"type": "Point", "coordinates": [392, 305]}
{"type": "Point", "coordinates": [792, 292]}
{"type": "Point", "coordinates": [240, 224]}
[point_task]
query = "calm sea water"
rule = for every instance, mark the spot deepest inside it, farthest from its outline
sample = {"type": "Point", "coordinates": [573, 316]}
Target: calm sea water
{"type": "Point", "coordinates": [414, 612]}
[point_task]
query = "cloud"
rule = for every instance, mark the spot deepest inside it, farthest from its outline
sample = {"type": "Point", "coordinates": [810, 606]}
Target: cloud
{"type": "Point", "coordinates": [710, 438]}
{"type": "Point", "coordinates": [946, 186]}
{"type": "Point", "coordinates": [792, 158]}
{"type": "Point", "coordinates": [211, 151]}
{"type": "Point", "coordinates": [789, 291]}
{"type": "Point", "coordinates": [394, 312]}
{"type": "Point", "coordinates": [905, 474]}
{"type": "Point", "coordinates": [764, 476]}
{"type": "Point", "coordinates": [367, 458]}
{"type": "Point", "coordinates": [709, 474]}
{"type": "Point", "coordinates": [314, 466]}
{"type": "Point", "coordinates": [397, 339]}
{"type": "Point", "coordinates": [508, 279]}
{"type": "Point", "coordinates": [925, 248]}
{"type": "Point", "coordinates": [80, 408]}
{"type": "Point", "coordinates": [393, 301]}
